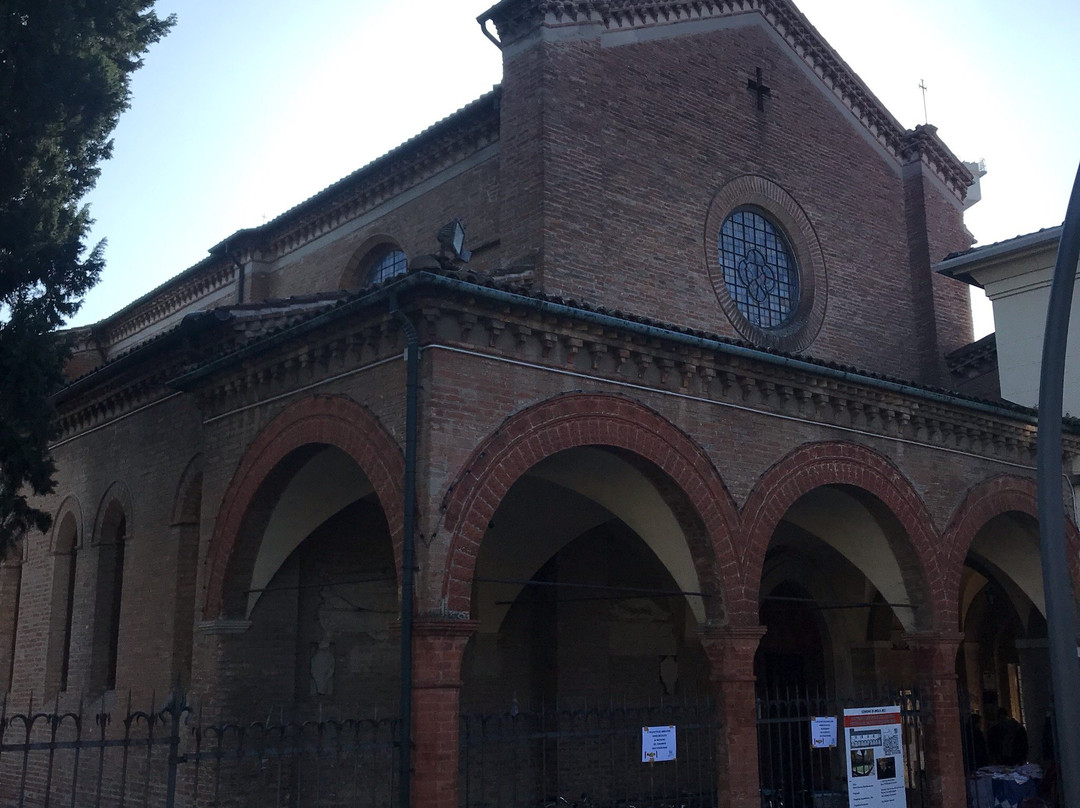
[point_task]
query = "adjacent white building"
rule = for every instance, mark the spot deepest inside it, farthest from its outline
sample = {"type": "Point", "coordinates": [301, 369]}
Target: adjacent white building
{"type": "Point", "coordinates": [1015, 275]}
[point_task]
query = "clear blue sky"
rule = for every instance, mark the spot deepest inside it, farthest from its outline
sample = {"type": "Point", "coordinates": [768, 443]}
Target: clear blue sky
{"type": "Point", "coordinates": [248, 107]}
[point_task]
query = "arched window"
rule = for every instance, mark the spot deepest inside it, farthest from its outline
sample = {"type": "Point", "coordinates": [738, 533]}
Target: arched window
{"type": "Point", "coordinates": [110, 588]}
{"type": "Point", "coordinates": [383, 263]}
{"type": "Point", "coordinates": [62, 604]}
{"type": "Point", "coordinates": [10, 581]}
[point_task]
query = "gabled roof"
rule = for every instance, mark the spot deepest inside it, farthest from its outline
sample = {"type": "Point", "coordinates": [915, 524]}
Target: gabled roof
{"type": "Point", "coordinates": [516, 19]}
{"type": "Point", "coordinates": [421, 154]}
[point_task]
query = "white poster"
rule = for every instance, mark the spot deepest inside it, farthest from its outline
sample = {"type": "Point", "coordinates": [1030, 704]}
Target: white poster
{"type": "Point", "coordinates": [657, 744]}
{"type": "Point", "coordinates": [823, 731]}
{"type": "Point", "coordinates": [875, 757]}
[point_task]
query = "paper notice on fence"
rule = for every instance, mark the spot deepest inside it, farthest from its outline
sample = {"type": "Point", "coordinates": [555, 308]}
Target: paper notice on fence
{"type": "Point", "coordinates": [823, 731]}
{"type": "Point", "coordinates": [657, 744]}
{"type": "Point", "coordinates": [875, 757]}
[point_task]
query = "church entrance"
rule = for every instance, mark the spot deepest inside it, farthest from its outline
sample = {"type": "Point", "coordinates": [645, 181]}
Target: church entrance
{"type": "Point", "coordinates": [588, 603]}
{"type": "Point", "coordinates": [837, 606]}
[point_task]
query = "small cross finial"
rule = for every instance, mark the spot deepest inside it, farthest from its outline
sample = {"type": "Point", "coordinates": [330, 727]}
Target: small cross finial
{"type": "Point", "coordinates": [758, 86]}
{"type": "Point", "coordinates": [922, 86]}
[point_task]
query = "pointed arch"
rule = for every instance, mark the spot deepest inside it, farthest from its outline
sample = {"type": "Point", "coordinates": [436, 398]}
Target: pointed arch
{"type": "Point", "coordinates": [326, 420]}
{"type": "Point", "coordinates": [570, 421]}
{"type": "Point", "coordinates": [849, 464]}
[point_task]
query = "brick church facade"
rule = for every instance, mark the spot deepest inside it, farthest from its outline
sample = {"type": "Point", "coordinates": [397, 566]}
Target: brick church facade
{"type": "Point", "coordinates": [685, 422]}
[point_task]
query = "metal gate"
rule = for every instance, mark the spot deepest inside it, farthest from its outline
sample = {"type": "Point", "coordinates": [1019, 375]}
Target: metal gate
{"type": "Point", "coordinates": [589, 756]}
{"type": "Point", "coordinates": [793, 775]}
{"type": "Point", "coordinates": [168, 756]}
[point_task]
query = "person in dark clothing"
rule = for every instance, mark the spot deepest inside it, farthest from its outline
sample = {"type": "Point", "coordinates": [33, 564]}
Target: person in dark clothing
{"type": "Point", "coordinates": [1007, 740]}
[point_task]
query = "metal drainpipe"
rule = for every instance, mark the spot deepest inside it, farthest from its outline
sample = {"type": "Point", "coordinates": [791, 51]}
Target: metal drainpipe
{"type": "Point", "coordinates": [412, 372]}
{"type": "Point", "coordinates": [1060, 604]}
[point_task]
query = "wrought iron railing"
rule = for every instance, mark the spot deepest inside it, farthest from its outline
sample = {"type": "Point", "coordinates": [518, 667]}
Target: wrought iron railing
{"type": "Point", "coordinates": [589, 756]}
{"type": "Point", "coordinates": [795, 775]}
{"type": "Point", "coordinates": [169, 757]}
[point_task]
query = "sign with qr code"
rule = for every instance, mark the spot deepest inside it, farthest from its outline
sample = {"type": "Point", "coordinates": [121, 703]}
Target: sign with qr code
{"type": "Point", "coordinates": [875, 757]}
{"type": "Point", "coordinates": [657, 744]}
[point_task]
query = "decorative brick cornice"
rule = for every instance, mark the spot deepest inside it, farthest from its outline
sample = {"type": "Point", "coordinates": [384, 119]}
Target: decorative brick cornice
{"type": "Point", "coordinates": [437, 148]}
{"type": "Point", "coordinates": [172, 297]}
{"type": "Point", "coordinates": [516, 19]}
{"type": "Point", "coordinates": [440, 147]}
{"type": "Point", "coordinates": [922, 144]}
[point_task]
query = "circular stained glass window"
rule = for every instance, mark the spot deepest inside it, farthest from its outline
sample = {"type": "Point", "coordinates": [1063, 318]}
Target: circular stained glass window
{"type": "Point", "coordinates": [759, 267]}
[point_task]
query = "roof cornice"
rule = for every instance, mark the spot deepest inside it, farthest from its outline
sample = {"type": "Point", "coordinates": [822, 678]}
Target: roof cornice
{"type": "Point", "coordinates": [961, 265]}
{"type": "Point", "coordinates": [439, 146]}
{"type": "Point", "coordinates": [516, 19]}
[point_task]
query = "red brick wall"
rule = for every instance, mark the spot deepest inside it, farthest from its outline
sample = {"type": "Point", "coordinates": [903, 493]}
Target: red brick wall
{"type": "Point", "coordinates": [636, 140]}
{"type": "Point", "coordinates": [321, 265]}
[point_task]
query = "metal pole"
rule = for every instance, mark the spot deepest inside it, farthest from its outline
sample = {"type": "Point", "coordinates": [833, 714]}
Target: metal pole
{"type": "Point", "coordinates": [1060, 604]}
{"type": "Point", "coordinates": [412, 386]}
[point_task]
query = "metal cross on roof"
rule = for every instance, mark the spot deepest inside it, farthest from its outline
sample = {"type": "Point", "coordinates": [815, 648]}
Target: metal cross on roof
{"type": "Point", "coordinates": [758, 86]}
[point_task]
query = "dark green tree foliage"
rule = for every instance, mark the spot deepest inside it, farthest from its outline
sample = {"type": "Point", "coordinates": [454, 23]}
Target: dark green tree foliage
{"type": "Point", "coordinates": [65, 68]}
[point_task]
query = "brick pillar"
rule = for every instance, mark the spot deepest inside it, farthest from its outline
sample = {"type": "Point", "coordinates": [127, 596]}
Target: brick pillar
{"type": "Point", "coordinates": [935, 661]}
{"type": "Point", "coordinates": [731, 671]}
{"type": "Point", "coordinates": [438, 645]}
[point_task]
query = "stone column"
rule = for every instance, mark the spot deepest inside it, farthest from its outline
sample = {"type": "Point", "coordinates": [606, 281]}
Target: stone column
{"type": "Point", "coordinates": [438, 646]}
{"type": "Point", "coordinates": [731, 667]}
{"type": "Point", "coordinates": [935, 661]}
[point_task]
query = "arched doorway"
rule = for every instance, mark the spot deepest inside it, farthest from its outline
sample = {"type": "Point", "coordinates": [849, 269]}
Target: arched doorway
{"type": "Point", "coordinates": [588, 600]}
{"type": "Point", "coordinates": [840, 591]}
{"type": "Point", "coordinates": [314, 576]}
{"type": "Point", "coordinates": [1004, 667]}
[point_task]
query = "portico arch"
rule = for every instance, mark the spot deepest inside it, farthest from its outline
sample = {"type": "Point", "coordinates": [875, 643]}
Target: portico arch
{"type": "Point", "coordinates": [682, 474]}
{"type": "Point", "coordinates": [994, 575]}
{"type": "Point", "coordinates": [304, 427]}
{"type": "Point", "coordinates": [900, 558]}
{"type": "Point", "coordinates": [990, 500]}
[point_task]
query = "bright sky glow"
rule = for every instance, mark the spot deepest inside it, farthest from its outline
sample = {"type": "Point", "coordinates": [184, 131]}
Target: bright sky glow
{"type": "Point", "coordinates": [250, 106]}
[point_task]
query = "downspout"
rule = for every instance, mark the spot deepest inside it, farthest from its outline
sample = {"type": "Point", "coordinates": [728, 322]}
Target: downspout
{"type": "Point", "coordinates": [412, 373]}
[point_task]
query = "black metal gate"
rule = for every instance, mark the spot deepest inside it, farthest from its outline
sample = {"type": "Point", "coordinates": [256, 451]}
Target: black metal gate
{"type": "Point", "coordinates": [588, 757]}
{"type": "Point", "coordinates": [168, 757]}
{"type": "Point", "coordinates": [794, 775]}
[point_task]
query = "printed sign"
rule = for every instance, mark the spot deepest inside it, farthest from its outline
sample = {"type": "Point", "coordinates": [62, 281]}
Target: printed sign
{"type": "Point", "coordinates": [823, 731]}
{"type": "Point", "coordinates": [657, 744]}
{"type": "Point", "coordinates": [875, 757]}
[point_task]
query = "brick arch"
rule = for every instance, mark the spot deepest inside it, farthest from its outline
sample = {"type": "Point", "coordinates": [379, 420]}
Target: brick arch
{"type": "Point", "coordinates": [332, 420]}
{"type": "Point", "coordinates": [838, 463]}
{"type": "Point", "coordinates": [188, 492]}
{"type": "Point", "coordinates": [985, 501]}
{"type": "Point", "coordinates": [570, 421]}
{"type": "Point", "coordinates": [58, 544]}
{"type": "Point", "coordinates": [119, 494]}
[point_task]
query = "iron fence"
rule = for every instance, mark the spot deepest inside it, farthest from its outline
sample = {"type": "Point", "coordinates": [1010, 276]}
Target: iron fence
{"type": "Point", "coordinates": [795, 775]}
{"type": "Point", "coordinates": [168, 756]}
{"type": "Point", "coordinates": [589, 757]}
